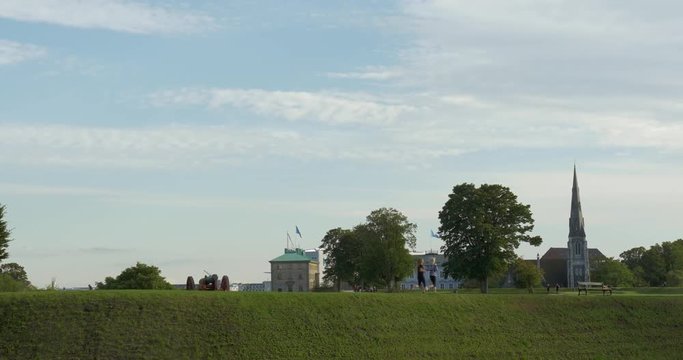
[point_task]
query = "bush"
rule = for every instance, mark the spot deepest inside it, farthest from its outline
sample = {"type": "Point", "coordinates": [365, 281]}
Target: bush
{"type": "Point", "coordinates": [7, 283]}
{"type": "Point", "coordinates": [140, 276]}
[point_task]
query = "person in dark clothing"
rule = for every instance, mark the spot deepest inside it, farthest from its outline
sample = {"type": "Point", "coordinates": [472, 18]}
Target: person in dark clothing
{"type": "Point", "coordinates": [547, 288]}
{"type": "Point", "coordinates": [433, 271]}
{"type": "Point", "coordinates": [421, 274]}
{"type": "Point", "coordinates": [557, 288]}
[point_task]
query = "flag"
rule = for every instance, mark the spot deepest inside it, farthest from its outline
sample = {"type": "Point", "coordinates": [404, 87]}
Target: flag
{"type": "Point", "coordinates": [289, 240]}
{"type": "Point", "coordinates": [298, 232]}
{"type": "Point", "coordinates": [434, 235]}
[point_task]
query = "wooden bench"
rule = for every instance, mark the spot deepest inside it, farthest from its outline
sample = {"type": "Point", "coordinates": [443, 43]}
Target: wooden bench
{"type": "Point", "coordinates": [598, 286]}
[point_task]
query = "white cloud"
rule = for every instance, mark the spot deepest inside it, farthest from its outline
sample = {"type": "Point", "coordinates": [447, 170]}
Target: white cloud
{"type": "Point", "coordinates": [553, 48]}
{"type": "Point", "coordinates": [464, 100]}
{"type": "Point", "coordinates": [13, 52]}
{"type": "Point", "coordinates": [368, 73]}
{"type": "Point", "coordinates": [116, 15]}
{"type": "Point", "coordinates": [628, 131]}
{"type": "Point", "coordinates": [160, 147]}
{"type": "Point", "coordinates": [184, 146]}
{"type": "Point", "coordinates": [335, 108]}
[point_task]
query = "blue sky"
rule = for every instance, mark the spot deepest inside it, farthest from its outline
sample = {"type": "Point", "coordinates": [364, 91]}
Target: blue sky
{"type": "Point", "coordinates": [194, 135]}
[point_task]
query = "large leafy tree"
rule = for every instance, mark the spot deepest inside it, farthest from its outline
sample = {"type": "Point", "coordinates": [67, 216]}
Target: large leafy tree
{"type": "Point", "coordinates": [140, 276]}
{"type": "Point", "coordinates": [613, 273]}
{"type": "Point", "coordinates": [672, 252]}
{"type": "Point", "coordinates": [387, 236]}
{"type": "Point", "coordinates": [4, 235]}
{"type": "Point", "coordinates": [343, 250]}
{"type": "Point", "coordinates": [631, 258]}
{"type": "Point", "coordinates": [654, 266]}
{"type": "Point", "coordinates": [374, 253]}
{"type": "Point", "coordinates": [481, 227]}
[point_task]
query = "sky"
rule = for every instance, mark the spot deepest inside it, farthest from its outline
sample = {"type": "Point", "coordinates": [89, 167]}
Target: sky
{"type": "Point", "coordinates": [194, 135]}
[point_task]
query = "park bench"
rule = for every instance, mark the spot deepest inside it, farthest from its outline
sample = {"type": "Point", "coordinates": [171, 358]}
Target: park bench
{"type": "Point", "coordinates": [598, 286]}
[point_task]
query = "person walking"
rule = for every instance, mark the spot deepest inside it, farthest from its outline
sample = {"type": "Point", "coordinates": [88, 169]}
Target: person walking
{"type": "Point", "coordinates": [421, 274]}
{"type": "Point", "coordinates": [557, 288]}
{"type": "Point", "coordinates": [433, 271]}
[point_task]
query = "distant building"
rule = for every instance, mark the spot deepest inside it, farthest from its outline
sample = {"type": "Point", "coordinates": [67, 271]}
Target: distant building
{"type": "Point", "coordinates": [567, 266]}
{"type": "Point", "coordinates": [254, 287]}
{"type": "Point", "coordinates": [293, 271]}
{"type": "Point", "coordinates": [442, 283]}
{"type": "Point", "coordinates": [316, 255]}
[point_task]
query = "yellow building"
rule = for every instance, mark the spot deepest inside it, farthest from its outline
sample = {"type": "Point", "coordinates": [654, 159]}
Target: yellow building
{"type": "Point", "coordinates": [293, 271]}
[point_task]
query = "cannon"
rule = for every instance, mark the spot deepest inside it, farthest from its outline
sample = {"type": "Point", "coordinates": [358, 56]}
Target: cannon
{"type": "Point", "coordinates": [209, 282]}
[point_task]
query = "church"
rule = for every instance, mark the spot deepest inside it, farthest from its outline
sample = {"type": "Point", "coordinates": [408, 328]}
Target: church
{"type": "Point", "coordinates": [567, 266]}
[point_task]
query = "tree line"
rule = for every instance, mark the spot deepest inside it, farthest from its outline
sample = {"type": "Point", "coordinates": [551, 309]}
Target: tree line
{"type": "Point", "coordinates": [480, 226]}
{"type": "Point", "coordinates": [660, 265]}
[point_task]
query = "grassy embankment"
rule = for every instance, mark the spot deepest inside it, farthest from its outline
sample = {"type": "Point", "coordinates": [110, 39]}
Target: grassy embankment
{"type": "Point", "coordinates": [182, 325]}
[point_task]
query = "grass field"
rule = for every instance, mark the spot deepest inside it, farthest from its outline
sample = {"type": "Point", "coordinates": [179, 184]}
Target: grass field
{"type": "Point", "coordinates": [634, 323]}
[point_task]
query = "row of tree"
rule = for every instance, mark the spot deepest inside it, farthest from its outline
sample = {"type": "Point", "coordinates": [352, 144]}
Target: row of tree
{"type": "Point", "coordinates": [480, 226]}
{"type": "Point", "coordinates": [660, 265]}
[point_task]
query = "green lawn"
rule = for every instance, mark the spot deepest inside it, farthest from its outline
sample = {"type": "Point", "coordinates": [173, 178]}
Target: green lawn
{"type": "Point", "coordinates": [199, 325]}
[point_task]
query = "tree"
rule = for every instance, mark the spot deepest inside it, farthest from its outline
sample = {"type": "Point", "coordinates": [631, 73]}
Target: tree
{"type": "Point", "coordinates": [674, 278]}
{"type": "Point", "coordinates": [481, 228]}
{"type": "Point", "coordinates": [8, 283]}
{"type": "Point", "coordinates": [140, 276]}
{"type": "Point", "coordinates": [16, 272]}
{"type": "Point", "coordinates": [4, 235]}
{"type": "Point", "coordinates": [631, 258]}
{"type": "Point", "coordinates": [527, 275]}
{"type": "Point", "coordinates": [654, 266]}
{"type": "Point", "coordinates": [613, 273]}
{"type": "Point", "coordinates": [374, 253]}
{"type": "Point", "coordinates": [343, 251]}
{"type": "Point", "coordinates": [386, 236]}
{"type": "Point", "coordinates": [672, 252]}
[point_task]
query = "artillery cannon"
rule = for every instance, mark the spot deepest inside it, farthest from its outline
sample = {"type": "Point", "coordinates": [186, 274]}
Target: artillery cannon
{"type": "Point", "coordinates": [209, 282]}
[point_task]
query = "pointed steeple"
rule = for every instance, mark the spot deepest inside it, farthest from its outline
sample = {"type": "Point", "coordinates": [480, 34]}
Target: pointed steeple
{"type": "Point", "coordinates": [576, 216]}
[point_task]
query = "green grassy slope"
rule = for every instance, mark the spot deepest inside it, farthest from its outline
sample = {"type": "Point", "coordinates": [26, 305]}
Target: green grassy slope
{"type": "Point", "coordinates": [189, 325]}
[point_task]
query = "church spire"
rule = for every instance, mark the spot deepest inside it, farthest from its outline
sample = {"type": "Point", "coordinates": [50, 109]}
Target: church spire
{"type": "Point", "coordinates": [576, 216]}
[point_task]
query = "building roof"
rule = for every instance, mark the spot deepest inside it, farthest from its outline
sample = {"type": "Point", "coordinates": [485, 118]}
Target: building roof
{"type": "Point", "coordinates": [292, 255]}
{"type": "Point", "coordinates": [563, 253]}
{"type": "Point", "coordinates": [596, 254]}
{"type": "Point", "coordinates": [555, 253]}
